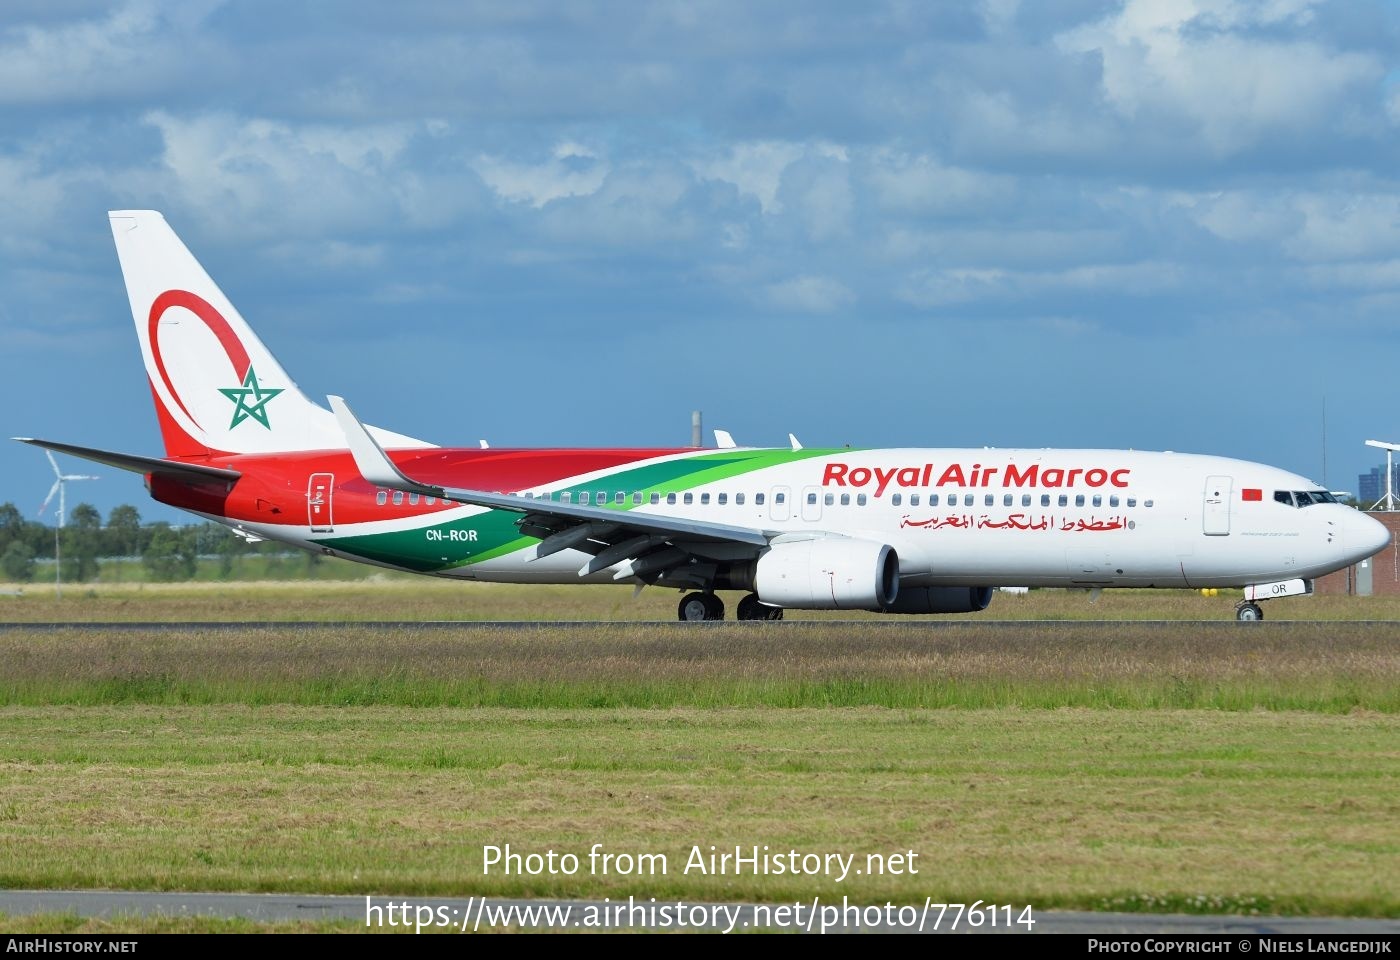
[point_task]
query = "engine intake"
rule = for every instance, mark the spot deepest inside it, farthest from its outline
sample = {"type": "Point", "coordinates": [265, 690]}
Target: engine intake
{"type": "Point", "coordinates": [828, 574]}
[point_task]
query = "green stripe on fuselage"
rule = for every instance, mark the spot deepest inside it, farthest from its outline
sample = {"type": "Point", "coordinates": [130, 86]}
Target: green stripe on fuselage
{"type": "Point", "coordinates": [435, 546]}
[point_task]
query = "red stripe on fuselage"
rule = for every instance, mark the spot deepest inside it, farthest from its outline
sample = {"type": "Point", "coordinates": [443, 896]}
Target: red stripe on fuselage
{"type": "Point", "coordinates": [273, 486]}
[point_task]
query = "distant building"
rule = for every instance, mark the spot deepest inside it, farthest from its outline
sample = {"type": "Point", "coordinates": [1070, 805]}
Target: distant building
{"type": "Point", "coordinates": [1370, 487]}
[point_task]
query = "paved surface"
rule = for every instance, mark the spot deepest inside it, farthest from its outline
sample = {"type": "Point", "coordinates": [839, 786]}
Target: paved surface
{"type": "Point", "coordinates": [461, 911]}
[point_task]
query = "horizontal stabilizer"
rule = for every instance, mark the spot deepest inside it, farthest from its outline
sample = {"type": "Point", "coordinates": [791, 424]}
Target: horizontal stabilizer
{"type": "Point", "coordinates": [138, 464]}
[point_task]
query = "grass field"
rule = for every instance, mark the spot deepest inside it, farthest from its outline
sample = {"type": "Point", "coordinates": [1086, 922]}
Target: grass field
{"type": "Point", "coordinates": [396, 597]}
{"type": "Point", "coordinates": [1203, 767]}
{"type": "Point", "coordinates": [1265, 811]}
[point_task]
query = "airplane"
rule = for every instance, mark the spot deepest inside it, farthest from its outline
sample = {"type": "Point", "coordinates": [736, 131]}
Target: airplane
{"type": "Point", "coordinates": [900, 531]}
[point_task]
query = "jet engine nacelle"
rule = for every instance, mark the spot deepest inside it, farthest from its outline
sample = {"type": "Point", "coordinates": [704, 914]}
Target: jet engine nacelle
{"type": "Point", "coordinates": [940, 600]}
{"type": "Point", "coordinates": [828, 574]}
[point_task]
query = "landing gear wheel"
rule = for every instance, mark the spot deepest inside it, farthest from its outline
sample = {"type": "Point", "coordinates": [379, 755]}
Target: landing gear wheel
{"type": "Point", "coordinates": [1249, 612]}
{"type": "Point", "coordinates": [714, 607]}
{"type": "Point", "coordinates": [695, 607]}
{"type": "Point", "coordinates": [752, 608]}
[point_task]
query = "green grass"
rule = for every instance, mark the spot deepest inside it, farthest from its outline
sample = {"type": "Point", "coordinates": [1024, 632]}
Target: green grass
{"type": "Point", "coordinates": [1274, 812]}
{"type": "Point", "coordinates": [388, 596]}
{"type": "Point", "coordinates": [1198, 767]}
{"type": "Point", "coordinates": [1317, 667]}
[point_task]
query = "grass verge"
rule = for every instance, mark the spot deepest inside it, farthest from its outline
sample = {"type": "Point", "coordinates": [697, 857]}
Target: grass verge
{"type": "Point", "coordinates": [1097, 809]}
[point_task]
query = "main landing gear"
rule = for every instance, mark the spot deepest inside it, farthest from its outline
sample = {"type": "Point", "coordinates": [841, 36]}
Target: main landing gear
{"type": "Point", "coordinates": [1248, 612]}
{"type": "Point", "coordinates": [752, 608]}
{"type": "Point", "coordinates": [695, 607]}
{"type": "Point", "coordinates": [700, 606]}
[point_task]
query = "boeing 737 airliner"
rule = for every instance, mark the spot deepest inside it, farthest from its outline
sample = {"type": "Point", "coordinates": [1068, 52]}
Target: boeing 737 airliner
{"type": "Point", "coordinates": [899, 530]}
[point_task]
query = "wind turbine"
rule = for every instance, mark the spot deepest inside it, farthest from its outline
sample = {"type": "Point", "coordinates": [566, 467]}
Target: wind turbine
{"type": "Point", "coordinates": [58, 488]}
{"type": "Point", "coordinates": [1389, 498]}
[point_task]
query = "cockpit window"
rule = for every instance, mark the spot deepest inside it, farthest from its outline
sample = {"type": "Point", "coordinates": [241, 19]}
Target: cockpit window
{"type": "Point", "coordinates": [1304, 498]}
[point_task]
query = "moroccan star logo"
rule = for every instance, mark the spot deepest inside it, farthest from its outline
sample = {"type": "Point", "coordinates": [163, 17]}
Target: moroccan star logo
{"type": "Point", "coordinates": [250, 400]}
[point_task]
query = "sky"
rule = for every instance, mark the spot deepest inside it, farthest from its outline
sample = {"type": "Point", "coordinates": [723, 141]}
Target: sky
{"type": "Point", "coordinates": [1157, 224]}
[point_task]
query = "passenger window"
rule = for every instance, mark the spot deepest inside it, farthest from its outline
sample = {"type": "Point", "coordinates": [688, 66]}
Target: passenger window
{"type": "Point", "coordinates": [1006, 501]}
{"type": "Point", "coordinates": [829, 499]}
{"type": "Point", "coordinates": [382, 497]}
{"type": "Point", "coordinates": [1113, 500]}
{"type": "Point", "coordinates": [989, 500]}
{"type": "Point", "coordinates": [1098, 501]}
{"type": "Point", "coordinates": [1025, 499]}
{"type": "Point", "coordinates": [1132, 501]}
{"type": "Point", "coordinates": [913, 499]}
{"type": "Point", "coordinates": [967, 500]}
{"type": "Point", "coordinates": [566, 497]}
{"type": "Point", "coordinates": [739, 499]}
{"type": "Point", "coordinates": [723, 499]}
{"type": "Point", "coordinates": [845, 499]}
{"type": "Point", "coordinates": [780, 498]}
{"type": "Point", "coordinates": [413, 499]}
{"type": "Point", "coordinates": [637, 497]}
{"type": "Point", "coordinates": [932, 500]}
{"type": "Point", "coordinates": [896, 499]}
{"type": "Point", "coordinates": [602, 497]}
{"type": "Point", "coordinates": [1045, 499]}
{"type": "Point", "coordinates": [860, 499]}
{"type": "Point", "coordinates": [398, 497]}
{"type": "Point", "coordinates": [655, 497]}
{"type": "Point", "coordinates": [812, 498]}
{"type": "Point", "coordinates": [583, 497]}
{"type": "Point", "coordinates": [1079, 500]}
{"type": "Point", "coordinates": [1147, 503]}
{"type": "Point", "coordinates": [689, 498]}
{"type": "Point", "coordinates": [671, 499]}
{"type": "Point", "coordinates": [705, 499]}
{"type": "Point", "coordinates": [1064, 500]}
{"type": "Point", "coordinates": [758, 499]}
{"type": "Point", "coordinates": [430, 501]}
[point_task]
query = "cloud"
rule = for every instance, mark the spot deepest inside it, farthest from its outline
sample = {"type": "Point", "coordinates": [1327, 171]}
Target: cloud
{"type": "Point", "coordinates": [127, 52]}
{"type": "Point", "coordinates": [1228, 72]}
{"type": "Point", "coordinates": [809, 294]}
{"type": "Point", "coordinates": [571, 171]}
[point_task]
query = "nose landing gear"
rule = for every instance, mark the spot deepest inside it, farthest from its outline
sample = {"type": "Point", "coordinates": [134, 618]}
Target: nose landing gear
{"type": "Point", "coordinates": [1246, 612]}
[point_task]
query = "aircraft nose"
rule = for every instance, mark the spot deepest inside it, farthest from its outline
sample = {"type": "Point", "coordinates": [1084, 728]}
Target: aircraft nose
{"type": "Point", "coordinates": [1365, 536]}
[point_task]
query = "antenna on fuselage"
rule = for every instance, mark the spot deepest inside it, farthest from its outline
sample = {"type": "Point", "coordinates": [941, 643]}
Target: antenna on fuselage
{"type": "Point", "coordinates": [695, 428]}
{"type": "Point", "coordinates": [1389, 498]}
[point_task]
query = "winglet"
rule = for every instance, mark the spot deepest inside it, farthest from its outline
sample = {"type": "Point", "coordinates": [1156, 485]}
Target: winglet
{"type": "Point", "coordinates": [724, 440]}
{"type": "Point", "coordinates": [796, 444]}
{"type": "Point", "coordinates": [371, 460]}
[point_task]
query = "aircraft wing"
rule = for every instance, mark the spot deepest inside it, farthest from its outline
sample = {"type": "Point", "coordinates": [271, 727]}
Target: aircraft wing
{"type": "Point", "coordinates": [137, 464]}
{"type": "Point", "coordinates": [656, 544]}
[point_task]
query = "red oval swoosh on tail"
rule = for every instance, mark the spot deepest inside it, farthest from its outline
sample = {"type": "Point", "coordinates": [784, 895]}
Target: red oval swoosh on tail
{"type": "Point", "coordinates": [233, 347]}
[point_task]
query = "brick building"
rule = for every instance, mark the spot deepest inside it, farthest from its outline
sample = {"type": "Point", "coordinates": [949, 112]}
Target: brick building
{"type": "Point", "coordinates": [1378, 576]}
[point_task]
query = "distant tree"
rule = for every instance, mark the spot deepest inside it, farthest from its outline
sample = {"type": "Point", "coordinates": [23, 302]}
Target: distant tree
{"type": "Point", "coordinates": [123, 532]}
{"type": "Point", "coordinates": [11, 524]}
{"type": "Point", "coordinates": [17, 562]}
{"type": "Point", "coordinates": [82, 543]}
{"type": "Point", "coordinates": [169, 555]}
